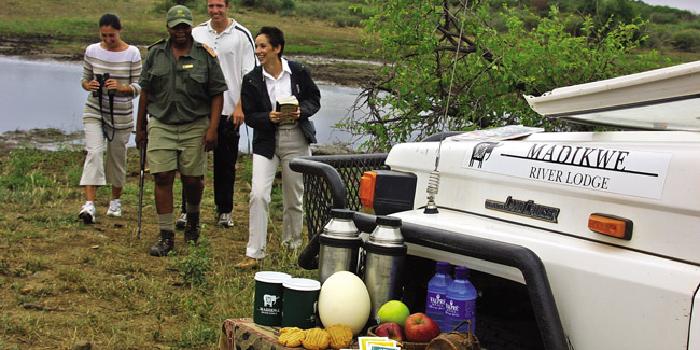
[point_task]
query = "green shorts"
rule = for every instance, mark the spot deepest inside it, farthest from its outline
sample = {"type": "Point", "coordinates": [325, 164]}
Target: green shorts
{"type": "Point", "coordinates": [177, 147]}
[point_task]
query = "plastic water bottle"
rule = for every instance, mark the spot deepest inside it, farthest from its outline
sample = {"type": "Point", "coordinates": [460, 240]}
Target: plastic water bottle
{"type": "Point", "coordinates": [437, 294]}
{"type": "Point", "coordinates": [461, 302]}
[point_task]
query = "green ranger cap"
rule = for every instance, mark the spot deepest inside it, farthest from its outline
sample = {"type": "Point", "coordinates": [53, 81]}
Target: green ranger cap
{"type": "Point", "coordinates": [179, 14]}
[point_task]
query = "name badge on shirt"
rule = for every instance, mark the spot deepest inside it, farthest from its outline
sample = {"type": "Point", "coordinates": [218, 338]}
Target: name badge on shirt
{"type": "Point", "coordinates": [187, 66]}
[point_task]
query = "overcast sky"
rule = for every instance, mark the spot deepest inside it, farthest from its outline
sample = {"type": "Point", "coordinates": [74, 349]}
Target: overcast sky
{"type": "Point", "coordinates": [690, 5]}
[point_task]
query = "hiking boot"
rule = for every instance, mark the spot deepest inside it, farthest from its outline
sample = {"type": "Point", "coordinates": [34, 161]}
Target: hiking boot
{"type": "Point", "coordinates": [225, 220]}
{"type": "Point", "coordinates": [192, 228]}
{"type": "Point", "coordinates": [181, 221]}
{"type": "Point", "coordinates": [163, 245]}
{"type": "Point", "coordinates": [247, 263]}
{"type": "Point", "coordinates": [87, 213]}
{"type": "Point", "coordinates": [115, 208]}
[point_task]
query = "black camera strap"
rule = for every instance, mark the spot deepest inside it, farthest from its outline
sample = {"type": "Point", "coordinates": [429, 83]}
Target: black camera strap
{"type": "Point", "coordinates": [110, 94]}
{"type": "Point", "coordinates": [102, 78]}
{"type": "Point", "coordinates": [99, 101]}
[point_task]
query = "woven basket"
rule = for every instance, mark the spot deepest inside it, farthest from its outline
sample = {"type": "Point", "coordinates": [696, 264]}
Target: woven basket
{"type": "Point", "coordinates": [407, 345]}
{"type": "Point", "coordinates": [456, 340]}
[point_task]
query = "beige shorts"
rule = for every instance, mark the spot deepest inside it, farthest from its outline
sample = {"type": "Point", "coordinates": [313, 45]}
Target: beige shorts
{"type": "Point", "coordinates": [177, 147]}
{"type": "Point", "coordinates": [97, 171]}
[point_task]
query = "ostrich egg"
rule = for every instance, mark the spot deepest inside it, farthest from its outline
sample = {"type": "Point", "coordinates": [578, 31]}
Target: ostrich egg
{"type": "Point", "coordinates": [344, 300]}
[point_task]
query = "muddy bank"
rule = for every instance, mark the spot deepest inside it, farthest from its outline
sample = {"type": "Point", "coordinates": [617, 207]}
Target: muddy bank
{"type": "Point", "coordinates": [333, 70]}
{"type": "Point", "coordinates": [49, 139]}
{"type": "Point", "coordinates": [34, 47]}
{"type": "Point", "coordinates": [342, 74]}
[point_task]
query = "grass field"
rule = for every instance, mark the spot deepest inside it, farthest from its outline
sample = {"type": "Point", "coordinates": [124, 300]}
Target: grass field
{"type": "Point", "coordinates": [66, 27]}
{"type": "Point", "coordinates": [63, 282]}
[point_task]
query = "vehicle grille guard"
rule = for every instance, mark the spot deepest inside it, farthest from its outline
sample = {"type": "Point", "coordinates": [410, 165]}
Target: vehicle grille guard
{"type": "Point", "coordinates": [325, 189]}
{"type": "Point", "coordinates": [330, 182]}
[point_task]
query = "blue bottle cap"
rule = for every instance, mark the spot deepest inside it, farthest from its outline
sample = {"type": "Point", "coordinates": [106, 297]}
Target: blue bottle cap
{"type": "Point", "coordinates": [461, 272]}
{"type": "Point", "coordinates": [442, 266]}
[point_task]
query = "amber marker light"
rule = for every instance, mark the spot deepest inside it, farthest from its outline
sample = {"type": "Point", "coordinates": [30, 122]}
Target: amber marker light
{"type": "Point", "coordinates": [367, 185]}
{"type": "Point", "coordinates": [610, 225]}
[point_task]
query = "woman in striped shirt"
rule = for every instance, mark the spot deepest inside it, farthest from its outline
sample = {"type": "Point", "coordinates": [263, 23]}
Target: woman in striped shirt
{"type": "Point", "coordinates": [107, 127]}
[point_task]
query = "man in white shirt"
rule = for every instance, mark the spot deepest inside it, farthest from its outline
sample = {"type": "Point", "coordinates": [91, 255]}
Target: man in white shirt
{"type": "Point", "coordinates": [235, 49]}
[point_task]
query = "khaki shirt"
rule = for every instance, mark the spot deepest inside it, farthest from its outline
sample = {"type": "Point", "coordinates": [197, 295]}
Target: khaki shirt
{"type": "Point", "coordinates": [180, 91]}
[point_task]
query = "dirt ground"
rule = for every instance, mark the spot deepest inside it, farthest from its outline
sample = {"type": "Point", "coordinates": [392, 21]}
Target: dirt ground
{"type": "Point", "coordinates": [67, 285]}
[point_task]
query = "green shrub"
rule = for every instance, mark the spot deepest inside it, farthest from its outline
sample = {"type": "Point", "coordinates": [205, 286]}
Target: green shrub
{"type": "Point", "coordinates": [573, 24]}
{"type": "Point", "coordinates": [196, 264]}
{"type": "Point", "coordinates": [530, 20]}
{"type": "Point", "coordinates": [197, 334]}
{"type": "Point", "coordinates": [690, 25]}
{"type": "Point", "coordinates": [687, 40]}
{"type": "Point", "coordinates": [163, 5]}
{"type": "Point", "coordinates": [270, 5]}
{"type": "Point", "coordinates": [21, 172]}
{"type": "Point", "coordinates": [497, 22]}
{"type": "Point", "coordinates": [341, 13]}
{"type": "Point", "coordinates": [198, 330]}
{"type": "Point", "coordinates": [659, 38]}
{"type": "Point", "coordinates": [287, 5]}
{"type": "Point", "coordinates": [273, 6]}
{"type": "Point", "coordinates": [663, 18]}
{"type": "Point", "coordinates": [347, 21]}
{"type": "Point", "coordinates": [4, 268]}
{"type": "Point", "coordinates": [36, 264]}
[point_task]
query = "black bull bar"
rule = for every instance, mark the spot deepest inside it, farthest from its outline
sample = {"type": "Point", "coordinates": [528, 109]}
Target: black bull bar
{"type": "Point", "coordinates": [325, 188]}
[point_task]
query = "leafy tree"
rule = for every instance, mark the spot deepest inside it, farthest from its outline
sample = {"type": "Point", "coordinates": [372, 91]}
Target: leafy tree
{"type": "Point", "coordinates": [687, 40]}
{"type": "Point", "coordinates": [270, 5]}
{"type": "Point", "coordinates": [164, 5]}
{"type": "Point", "coordinates": [447, 68]}
{"type": "Point", "coordinates": [619, 10]}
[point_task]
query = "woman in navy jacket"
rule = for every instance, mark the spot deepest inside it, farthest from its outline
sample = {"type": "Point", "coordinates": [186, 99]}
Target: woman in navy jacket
{"type": "Point", "coordinates": [277, 138]}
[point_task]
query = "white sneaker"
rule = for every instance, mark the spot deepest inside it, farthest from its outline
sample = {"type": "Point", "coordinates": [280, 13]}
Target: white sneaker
{"type": "Point", "coordinates": [293, 244]}
{"type": "Point", "coordinates": [87, 213]}
{"type": "Point", "coordinates": [181, 221]}
{"type": "Point", "coordinates": [225, 220]}
{"type": "Point", "coordinates": [115, 208]}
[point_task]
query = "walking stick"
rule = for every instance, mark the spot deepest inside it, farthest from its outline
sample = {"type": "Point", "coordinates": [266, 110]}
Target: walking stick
{"type": "Point", "coordinates": [142, 169]}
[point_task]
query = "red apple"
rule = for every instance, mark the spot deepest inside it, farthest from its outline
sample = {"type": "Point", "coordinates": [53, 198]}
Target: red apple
{"type": "Point", "coordinates": [420, 328]}
{"type": "Point", "coordinates": [389, 329]}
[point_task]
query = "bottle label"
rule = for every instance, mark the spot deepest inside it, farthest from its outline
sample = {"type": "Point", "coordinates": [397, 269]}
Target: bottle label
{"type": "Point", "coordinates": [460, 309]}
{"type": "Point", "coordinates": [436, 302]}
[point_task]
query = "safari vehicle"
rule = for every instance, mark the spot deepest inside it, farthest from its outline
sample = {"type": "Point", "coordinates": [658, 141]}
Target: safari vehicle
{"type": "Point", "coordinates": [575, 240]}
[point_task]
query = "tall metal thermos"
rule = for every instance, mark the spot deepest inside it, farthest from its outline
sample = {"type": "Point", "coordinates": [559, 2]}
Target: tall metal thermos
{"type": "Point", "coordinates": [385, 252]}
{"type": "Point", "coordinates": [339, 244]}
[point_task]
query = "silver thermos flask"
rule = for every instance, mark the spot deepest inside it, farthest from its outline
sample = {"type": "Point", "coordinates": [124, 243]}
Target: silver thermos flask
{"type": "Point", "coordinates": [385, 252]}
{"type": "Point", "coordinates": [339, 245]}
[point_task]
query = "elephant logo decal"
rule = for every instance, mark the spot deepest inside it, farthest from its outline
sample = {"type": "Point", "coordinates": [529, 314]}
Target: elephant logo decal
{"type": "Point", "coordinates": [481, 152]}
{"type": "Point", "coordinates": [269, 300]}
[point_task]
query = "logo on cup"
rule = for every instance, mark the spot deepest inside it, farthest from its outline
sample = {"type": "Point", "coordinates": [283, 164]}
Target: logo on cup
{"type": "Point", "coordinates": [269, 300]}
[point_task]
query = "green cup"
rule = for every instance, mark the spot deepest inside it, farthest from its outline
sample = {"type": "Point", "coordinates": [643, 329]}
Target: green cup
{"type": "Point", "coordinates": [269, 292]}
{"type": "Point", "coordinates": [300, 303]}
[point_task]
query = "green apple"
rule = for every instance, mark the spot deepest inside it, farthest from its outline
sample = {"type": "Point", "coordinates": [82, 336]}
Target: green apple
{"type": "Point", "coordinates": [393, 311]}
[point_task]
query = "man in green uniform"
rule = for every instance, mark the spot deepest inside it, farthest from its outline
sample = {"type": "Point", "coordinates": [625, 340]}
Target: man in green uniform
{"type": "Point", "coordinates": [182, 92]}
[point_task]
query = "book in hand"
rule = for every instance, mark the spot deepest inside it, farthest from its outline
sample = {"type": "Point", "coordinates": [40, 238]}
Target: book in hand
{"type": "Point", "coordinates": [286, 106]}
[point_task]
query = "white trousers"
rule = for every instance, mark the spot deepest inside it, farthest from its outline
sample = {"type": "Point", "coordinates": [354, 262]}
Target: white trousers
{"type": "Point", "coordinates": [290, 143]}
{"type": "Point", "coordinates": [95, 171]}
